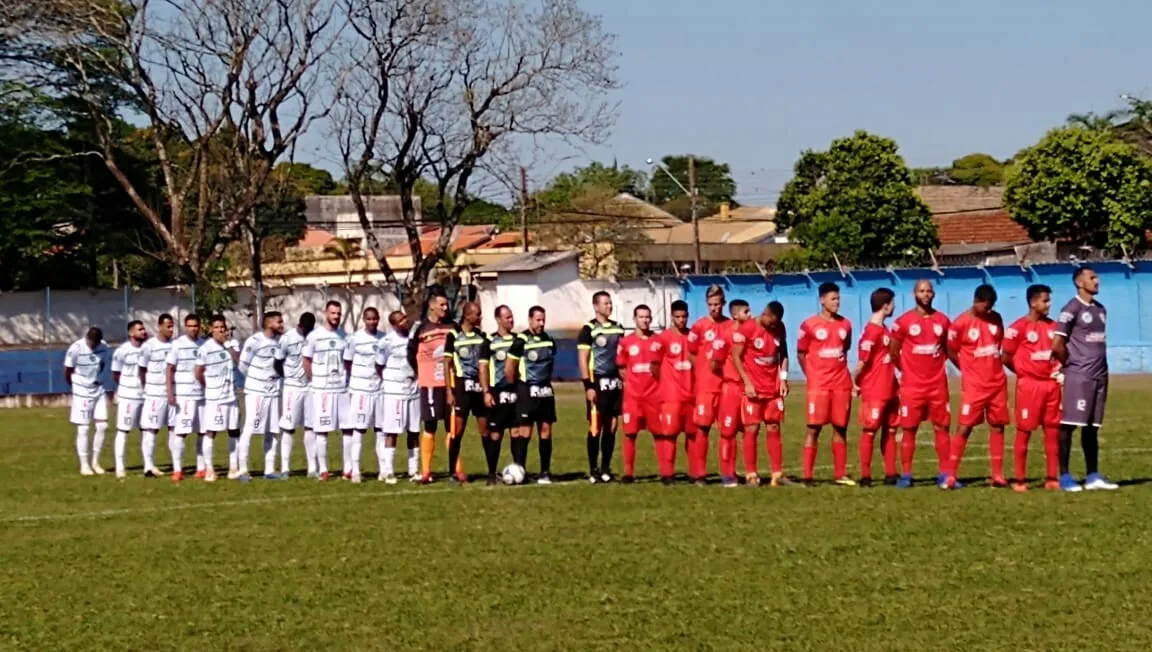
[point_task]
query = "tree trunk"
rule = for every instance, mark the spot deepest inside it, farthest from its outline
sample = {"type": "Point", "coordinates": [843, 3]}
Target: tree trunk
{"type": "Point", "coordinates": [254, 245]}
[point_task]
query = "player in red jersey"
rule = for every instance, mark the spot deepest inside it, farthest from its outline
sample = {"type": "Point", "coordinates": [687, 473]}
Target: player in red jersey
{"type": "Point", "coordinates": [1028, 354]}
{"type": "Point", "coordinates": [701, 339]}
{"type": "Point", "coordinates": [822, 350]}
{"type": "Point", "coordinates": [638, 356]}
{"type": "Point", "coordinates": [919, 343]}
{"type": "Point", "coordinates": [732, 391]}
{"type": "Point", "coordinates": [974, 347]}
{"type": "Point", "coordinates": [676, 397]}
{"type": "Point", "coordinates": [876, 379]}
{"type": "Point", "coordinates": [755, 355]}
{"type": "Point", "coordinates": [779, 332]}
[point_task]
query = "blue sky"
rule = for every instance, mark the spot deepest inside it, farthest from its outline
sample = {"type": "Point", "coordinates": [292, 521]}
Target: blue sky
{"type": "Point", "coordinates": [755, 82]}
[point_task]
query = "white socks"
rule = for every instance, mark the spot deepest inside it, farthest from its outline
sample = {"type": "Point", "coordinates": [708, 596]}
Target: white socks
{"type": "Point", "coordinates": [243, 450]}
{"type": "Point", "coordinates": [413, 461]}
{"type": "Point", "coordinates": [207, 445]}
{"type": "Point", "coordinates": [357, 449]}
{"type": "Point", "coordinates": [269, 453]}
{"type": "Point", "coordinates": [176, 447]}
{"type": "Point", "coordinates": [98, 441]}
{"type": "Point", "coordinates": [286, 452]}
{"type": "Point", "coordinates": [310, 450]}
{"type": "Point", "coordinates": [346, 457]}
{"type": "Point", "coordinates": [234, 453]}
{"type": "Point", "coordinates": [148, 449]}
{"type": "Point", "coordinates": [383, 458]}
{"type": "Point", "coordinates": [82, 445]}
{"type": "Point", "coordinates": [321, 450]}
{"type": "Point", "coordinates": [200, 463]}
{"type": "Point", "coordinates": [119, 448]}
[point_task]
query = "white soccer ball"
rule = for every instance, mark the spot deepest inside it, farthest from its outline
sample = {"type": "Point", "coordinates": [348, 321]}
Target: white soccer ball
{"type": "Point", "coordinates": [513, 474]}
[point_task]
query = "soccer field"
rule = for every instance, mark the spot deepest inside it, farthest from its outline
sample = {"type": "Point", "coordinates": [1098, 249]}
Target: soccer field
{"type": "Point", "coordinates": [93, 563]}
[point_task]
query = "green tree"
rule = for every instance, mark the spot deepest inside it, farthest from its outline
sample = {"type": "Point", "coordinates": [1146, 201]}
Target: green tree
{"type": "Point", "coordinates": [977, 170]}
{"type": "Point", "coordinates": [565, 187]}
{"type": "Point", "coordinates": [855, 202]}
{"type": "Point", "coordinates": [714, 184]}
{"type": "Point", "coordinates": [305, 179]}
{"type": "Point", "coordinates": [1083, 185]}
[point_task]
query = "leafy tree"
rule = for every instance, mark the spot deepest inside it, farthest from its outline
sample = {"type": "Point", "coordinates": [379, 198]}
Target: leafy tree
{"type": "Point", "coordinates": [977, 170]}
{"type": "Point", "coordinates": [932, 176]}
{"type": "Point", "coordinates": [855, 202]}
{"type": "Point", "coordinates": [607, 232]}
{"type": "Point", "coordinates": [565, 187]}
{"type": "Point", "coordinates": [1083, 185]}
{"type": "Point", "coordinates": [714, 184]}
{"type": "Point", "coordinates": [305, 179]}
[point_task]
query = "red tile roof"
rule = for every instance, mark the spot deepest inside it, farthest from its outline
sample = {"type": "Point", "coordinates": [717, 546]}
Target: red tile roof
{"type": "Point", "coordinates": [505, 241]}
{"type": "Point", "coordinates": [315, 239]}
{"type": "Point", "coordinates": [979, 227]}
{"type": "Point", "coordinates": [467, 237]}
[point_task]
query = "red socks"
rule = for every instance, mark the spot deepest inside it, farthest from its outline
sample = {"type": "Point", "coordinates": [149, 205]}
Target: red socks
{"type": "Point", "coordinates": [1020, 454]}
{"type": "Point", "coordinates": [700, 453]}
{"type": "Point", "coordinates": [996, 452]}
{"type": "Point", "coordinates": [888, 447]}
{"type": "Point", "coordinates": [1052, 453]}
{"type": "Point", "coordinates": [775, 449]}
{"type": "Point", "coordinates": [750, 466]}
{"type": "Point", "coordinates": [959, 443]}
{"type": "Point", "coordinates": [666, 454]}
{"type": "Point", "coordinates": [809, 461]}
{"type": "Point", "coordinates": [727, 456]}
{"type": "Point", "coordinates": [839, 458]}
{"type": "Point", "coordinates": [908, 450]}
{"type": "Point", "coordinates": [943, 450]}
{"type": "Point", "coordinates": [630, 455]}
{"type": "Point", "coordinates": [867, 441]}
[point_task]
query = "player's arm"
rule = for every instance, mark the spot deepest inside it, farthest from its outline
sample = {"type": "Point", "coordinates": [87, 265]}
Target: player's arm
{"type": "Point", "coordinates": [1009, 347]}
{"type": "Point", "coordinates": [1065, 322]}
{"type": "Point", "coordinates": [69, 365]}
{"type": "Point", "coordinates": [952, 345]}
{"type": "Point", "coordinates": [485, 364]}
{"type": "Point", "coordinates": [278, 359]}
{"type": "Point", "coordinates": [117, 366]}
{"type": "Point", "coordinates": [413, 347]}
{"type": "Point", "coordinates": [802, 344]}
{"type": "Point", "coordinates": [657, 350]}
{"type": "Point", "coordinates": [449, 363]}
{"type": "Point", "coordinates": [246, 355]}
{"type": "Point", "coordinates": [512, 363]}
{"type": "Point", "coordinates": [737, 354]}
{"type": "Point", "coordinates": [866, 351]}
{"type": "Point", "coordinates": [199, 371]}
{"type": "Point", "coordinates": [896, 344]}
{"type": "Point", "coordinates": [170, 375]}
{"type": "Point", "coordinates": [306, 354]}
{"type": "Point", "coordinates": [584, 360]}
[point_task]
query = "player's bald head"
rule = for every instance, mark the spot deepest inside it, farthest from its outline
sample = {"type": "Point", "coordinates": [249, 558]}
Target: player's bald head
{"type": "Point", "coordinates": [395, 317]}
{"type": "Point", "coordinates": [470, 307]}
{"type": "Point", "coordinates": [923, 283]}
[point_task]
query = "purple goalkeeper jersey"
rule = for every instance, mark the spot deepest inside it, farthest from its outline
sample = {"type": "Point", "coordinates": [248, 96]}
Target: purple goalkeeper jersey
{"type": "Point", "coordinates": [1083, 324]}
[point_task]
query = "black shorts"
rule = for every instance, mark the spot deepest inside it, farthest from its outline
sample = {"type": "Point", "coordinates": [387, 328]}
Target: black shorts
{"type": "Point", "coordinates": [502, 415]}
{"type": "Point", "coordinates": [609, 399]}
{"type": "Point", "coordinates": [469, 403]}
{"type": "Point", "coordinates": [433, 404]}
{"type": "Point", "coordinates": [535, 404]}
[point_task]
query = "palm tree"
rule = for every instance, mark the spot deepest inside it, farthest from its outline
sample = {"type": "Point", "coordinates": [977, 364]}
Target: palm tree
{"type": "Point", "coordinates": [346, 249]}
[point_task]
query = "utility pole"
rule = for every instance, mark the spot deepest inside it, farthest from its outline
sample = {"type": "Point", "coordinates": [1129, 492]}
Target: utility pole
{"type": "Point", "coordinates": [695, 218]}
{"type": "Point", "coordinates": [524, 209]}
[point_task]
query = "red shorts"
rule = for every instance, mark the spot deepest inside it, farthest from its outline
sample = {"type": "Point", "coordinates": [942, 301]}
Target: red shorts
{"type": "Point", "coordinates": [1037, 403]}
{"type": "Point", "coordinates": [829, 407]}
{"type": "Point", "coordinates": [676, 417]}
{"type": "Point", "coordinates": [875, 415]}
{"type": "Point", "coordinates": [976, 406]}
{"type": "Point", "coordinates": [767, 410]}
{"type": "Point", "coordinates": [918, 408]}
{"type": "Point", "coordinates": [640, 414]}
{"type": "Point", "coordinates": [707, 409]}
{"type": "Point", "coordinates": [731, 409]}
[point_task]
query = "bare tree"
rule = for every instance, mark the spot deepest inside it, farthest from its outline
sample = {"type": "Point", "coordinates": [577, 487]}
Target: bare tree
{"type": "Point", "coordinates": [451, 90]}
{"type": "Point", "coordinates": [225, 89]}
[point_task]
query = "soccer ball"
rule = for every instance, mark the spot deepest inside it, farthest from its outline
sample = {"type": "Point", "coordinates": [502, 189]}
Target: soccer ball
{"type": "Point", "coordinates": [513, 474]}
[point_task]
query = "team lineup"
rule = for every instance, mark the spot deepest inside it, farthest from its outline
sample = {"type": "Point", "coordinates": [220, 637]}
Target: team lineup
{"type": "Point", "coordinates": [725, 371]}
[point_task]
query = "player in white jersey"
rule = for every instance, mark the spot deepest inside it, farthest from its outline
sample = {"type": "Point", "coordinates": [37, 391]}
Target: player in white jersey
{"type": "Point", "coordinates": [129, 389]}
{"type": "Point", "coordinates": [156, 413]}
{"type": "Point", "coordinates": [215, 373]}
{"type": "Point", "coordinates": [296, 408]}
{"type": "Point", "coordinates": [400, 407]}
{"type": "Point", "coordinates": [258, 363]}
{"type": "Point", "coordinates": [360, 357]}
{"type": "Point", "coordinates": [84, 362]}
{"type": "Point", "coordinates": [324, 365]}
{"type": "Point", "coordinates": [186, 396]}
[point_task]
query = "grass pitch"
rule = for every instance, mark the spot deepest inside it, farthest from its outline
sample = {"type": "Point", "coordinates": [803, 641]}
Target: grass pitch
{"type": "Point", "coordinates": [92, 563]}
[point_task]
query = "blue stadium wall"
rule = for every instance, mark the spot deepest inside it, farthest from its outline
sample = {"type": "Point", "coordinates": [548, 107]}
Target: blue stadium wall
{"type": "Point", "coordinates": [1125, 291]}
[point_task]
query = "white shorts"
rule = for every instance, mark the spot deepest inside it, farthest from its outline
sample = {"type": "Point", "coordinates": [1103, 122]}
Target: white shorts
{"type": "Point", "coordinates": [362, 410]}
{"type": "Point", "coordinates": [261, 414]}
{"type": "Point", "coordinates": [398, 414]}
{"type": "Point", "coordinates": [156, 414]}
{"type": "Point", "coordinates": [86, 410]}
{"type": "Point", "coordinates": [128, 413]}
{"type": "Point", "coordinates": [220, 417]}
{"type": "Point", "coordinates": [328, 410]}
{"type": "Point", "coordinates": [296, 410]}
{"type": "Point", "coordinates": [187, 417]}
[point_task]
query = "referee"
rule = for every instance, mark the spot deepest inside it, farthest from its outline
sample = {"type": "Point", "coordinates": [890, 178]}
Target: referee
{"type": "Point", "coordinates": [603, 390]}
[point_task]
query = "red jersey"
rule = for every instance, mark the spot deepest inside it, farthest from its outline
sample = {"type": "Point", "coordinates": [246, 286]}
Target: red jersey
{"type": "Point", "coordinates": [977, 344]}
{"type": "Point", "coordinates": [922, 339]}
{"type": "Point", "coordinates": [701, 341]}
{"type": "Point", "coordinates": [737, 333]}
{"type": "Point", "coordinates": [878, 379]}
{"type": "Point", "coordinates": [825, 343]}
{"type": "Point", "coordinates": [1030, 345]}
{"type": "Point", "coordinates": [636, 355]}
{"type": "Point", "coordinates": [761, 359]}
{"type": "Point", "coordinates": [675, 367]}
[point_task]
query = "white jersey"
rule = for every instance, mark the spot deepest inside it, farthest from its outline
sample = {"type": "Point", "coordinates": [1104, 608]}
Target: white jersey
{"type": "Point", "coordinates": [291, 352]}
{"type": "Point", "coordinates": [86, 364]}
{"type": "Point", "coordinates": [326, 350]}
{"type": "Point", "coordinates": [153, 358]}
{"type": "Point", "coordinates": [362, 351]}
{"type": "Point", "coordinates": [217, 363]}
{"type": "Point", "coordinates": [399, 377]}
{"type": "Point", "coordinates": [182, 355]}
{"type": "Point", "coordinates": [258, 364]}
{"type": "Point", "coordinates": [126, 362]}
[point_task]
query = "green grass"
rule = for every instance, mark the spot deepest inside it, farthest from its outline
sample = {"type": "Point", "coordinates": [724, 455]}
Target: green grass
{"type": "Point", "coordinates": [92, 563]}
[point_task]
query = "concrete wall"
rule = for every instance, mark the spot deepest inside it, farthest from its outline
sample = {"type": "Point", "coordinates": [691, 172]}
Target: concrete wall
{"type": "Point", "coordinates": [1126, 292]}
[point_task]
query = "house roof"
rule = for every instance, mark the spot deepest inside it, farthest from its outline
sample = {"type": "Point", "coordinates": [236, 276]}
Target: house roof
{"type": "Point", "coordinates": [714, 232]}
{"type": "Point", "coordinates": [465, 237]}
{"type": "Point", "coordinates": [529, 262]}
{"type": "Point", "coordinates": [744, 214]}
{"type": "Point", "coordinates": [979, 227]}
{"type": "Point", "coordinates": [621, 207]}
{"type": "Point", "coordinates": [958, 199]}
{"type": "Point", "coordinates": [314, 239]}
{"type": "Point", "coordinates": [505, 240]}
